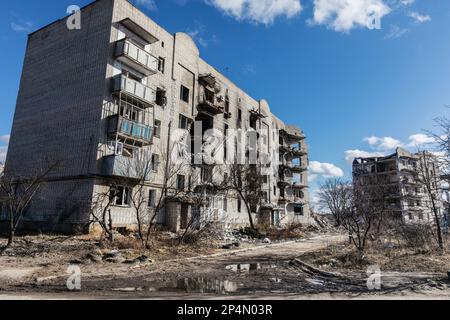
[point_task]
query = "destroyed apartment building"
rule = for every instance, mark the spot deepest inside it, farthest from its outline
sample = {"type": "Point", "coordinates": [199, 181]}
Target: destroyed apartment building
{"type": "Point", "coordinates": [399, 178]}
{"type": "Point", "coordinates": [102, 100]}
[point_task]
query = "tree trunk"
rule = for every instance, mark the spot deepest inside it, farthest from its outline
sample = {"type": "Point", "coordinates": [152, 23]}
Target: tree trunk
{"type": "Point", "coordinates": [111, 232]}
{"type": "Point", "coordinates": [250, 218]}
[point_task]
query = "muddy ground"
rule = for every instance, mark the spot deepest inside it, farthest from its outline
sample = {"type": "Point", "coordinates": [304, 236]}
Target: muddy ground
{"type": "Point", "coordinates": [252, 271]}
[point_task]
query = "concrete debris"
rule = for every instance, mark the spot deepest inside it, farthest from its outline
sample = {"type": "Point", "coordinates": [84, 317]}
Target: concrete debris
{"type": "Point", "coordinates": [95, 256]}
{"type": "Point", "coordinates": [139, 260]}
{"type": "Point", "coordinates": [322, 223]}
{"type": "Point", "coordinates": [113, 257]}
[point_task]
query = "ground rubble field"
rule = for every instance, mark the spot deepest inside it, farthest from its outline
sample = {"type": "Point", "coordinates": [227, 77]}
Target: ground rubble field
{"type": "Point", "coordinates": [314, 266]}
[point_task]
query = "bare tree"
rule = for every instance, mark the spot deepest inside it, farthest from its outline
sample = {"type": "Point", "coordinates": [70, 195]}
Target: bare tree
{"type": "Point", "coordinates": [442, 140]}
{"type": "Point", "coordinates": [362, 208]}
{"type": "Point", "coordinates": [101, 210]}
{"type": "Point", "coordinates": [335, 195]}
{"type": "Point", "coordinates": [430, 179]}
{"type": "Point", "coordinates": [16, 194]}
{"type": "Point", "coordinates": [246, 181]}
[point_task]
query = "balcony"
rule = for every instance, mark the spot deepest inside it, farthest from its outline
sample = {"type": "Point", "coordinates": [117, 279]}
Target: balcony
{"type": "Point", "coordinates": [208, 103]}
{"type": "Point", "coordinates": [292, 133]}
{"type": "Point", "coordinates": [299, 151]}
{"type": "Point", "coordinates": [298, 168]}
{"type": "Point", "coordinates": [134, 90]}
{"type": "Point", "coordinates": [299, 185]}
{"type": "Point", "coordinates": [294, 168]}
{"type": "Point", "coordinates": [130, 130]}
{"type": "Point", "coordinates": [135, 57]}
{"type": "Point", "coordinates": [124, 167]}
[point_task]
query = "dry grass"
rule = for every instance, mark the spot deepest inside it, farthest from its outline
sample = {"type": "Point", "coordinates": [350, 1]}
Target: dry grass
{"type": "Point", "coordinates": [344, 258]}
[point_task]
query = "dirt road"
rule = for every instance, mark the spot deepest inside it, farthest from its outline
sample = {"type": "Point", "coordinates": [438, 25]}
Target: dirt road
{"type": "Point", "coordinates": [264, 272]}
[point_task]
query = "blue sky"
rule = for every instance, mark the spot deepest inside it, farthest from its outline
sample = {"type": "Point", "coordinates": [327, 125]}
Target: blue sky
{"type": "Point", "coordinates": [354, 90]}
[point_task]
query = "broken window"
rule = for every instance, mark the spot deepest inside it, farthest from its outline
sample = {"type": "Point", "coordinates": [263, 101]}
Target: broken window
{"type": "Point", "coordinates": [298, 210]}
{"type": "Point", "coordinates": [161, 97]}
{"type": "Point", "coordinates": [180, 182]}
{"type": "Point", "coordinates": [151, 198]}
{"type": "Point", "coordinates": [184, 94]}
{"type": "Point", "coordinates": [184, 122]}
{"type": "Point", "coordinates": [120, 196]}
{"type": "Point", "coordinates": [155, 162]}
{"type": "Point", "coordinates": [227, 104]}
{"type": "Point", "coordinates": [157, 129]}
{"type": "Point", "coordinates": [161, 65]}
{"type": "Point", "coordinates": [239, 205]}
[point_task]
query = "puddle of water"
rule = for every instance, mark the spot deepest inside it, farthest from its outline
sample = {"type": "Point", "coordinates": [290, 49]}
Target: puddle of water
{"type": "Point", "coordinates": [195, 285]}
{"type": "Point", "coordinates": [250, 267]}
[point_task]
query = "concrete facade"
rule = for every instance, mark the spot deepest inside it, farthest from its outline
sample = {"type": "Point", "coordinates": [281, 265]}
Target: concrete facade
{"type": "Point", "coordinates": [90, 99]}
{"type": "Point", "coordinates": [407, 197]}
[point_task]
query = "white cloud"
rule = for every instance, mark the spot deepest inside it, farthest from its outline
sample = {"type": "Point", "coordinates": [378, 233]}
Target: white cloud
{"type": "Point", "coordinates": [419, 140]}
{"type": "Point", "coordinates": [395, 32]}
{"type": "Point", "coordinates": [148, 4]}
{"type": "Point", "coordinates": [3, 151]}
{"type": "Point", "coordinates": [350, 155]}
{"type": "Point", "coordinates": [407, 2]}
{"type": "Point", "coordinates": [5, 138]}
{"type": "Point", "coordinates": [344, 15]}
{"type": "Point", "coordinates": [258, 11]}
{"type": "Point", "coordinates": [420, 17]}
{"type": "Point", "coordinates": [26, 27]}
{"type": "Point", "coordinates": [384, 143]}
{"type": "Point", "coordinates": [326, 170]}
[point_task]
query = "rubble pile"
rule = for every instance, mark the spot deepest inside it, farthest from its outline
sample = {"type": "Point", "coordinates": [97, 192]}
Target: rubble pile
{"type": "Point", "coordinates": [323, 223]}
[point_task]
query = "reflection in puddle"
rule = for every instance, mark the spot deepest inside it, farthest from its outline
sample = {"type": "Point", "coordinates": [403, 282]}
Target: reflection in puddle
{"type": "Point", "coordinates": [250, 267]}
{"type": "Point", "coordinates": [195, 285]}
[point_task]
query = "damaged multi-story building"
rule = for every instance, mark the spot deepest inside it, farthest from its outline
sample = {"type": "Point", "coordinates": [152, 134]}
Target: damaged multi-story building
{"type": "Point", "coordinates": [95, 99]}
{"type": "Point", "coordinates": [406, 181]}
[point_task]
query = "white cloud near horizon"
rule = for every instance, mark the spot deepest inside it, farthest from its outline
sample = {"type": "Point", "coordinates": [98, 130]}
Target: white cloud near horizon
{"type": "Point", "coordinates": [384, 143]}
{"type": "Point", "coordinates": [344, 15]}
{"type": "Point", "coordinates": [3, 152]}
{"type": "Point", "coordinates": [350, 155]}
{"type": "Point", "coordinates": [5, 138]}
{"type": "Point", "coordinates": [324, 170]}
{"type": "Point", "coordinates": [383, 146]}
{"type": "Point", "coordinates": [258, 11]}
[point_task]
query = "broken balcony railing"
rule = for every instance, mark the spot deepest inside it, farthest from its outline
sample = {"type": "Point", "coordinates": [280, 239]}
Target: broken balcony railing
{"type": "Point", "coordinates": [209, 104]}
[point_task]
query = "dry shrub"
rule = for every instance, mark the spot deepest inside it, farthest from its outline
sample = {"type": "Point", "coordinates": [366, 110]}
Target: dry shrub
{"type": "Point", "coordinates": [291, 231]}
{"type": "Point", "coordinates": [126, 243]}
{"type": "Point", "coordinates": [416, 235]}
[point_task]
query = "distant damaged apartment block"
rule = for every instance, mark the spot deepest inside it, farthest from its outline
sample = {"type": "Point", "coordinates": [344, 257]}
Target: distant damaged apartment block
{"type": "Point", "coordinates": [407, 181]}
{"type": "Point", "coordinates": [109, 98]}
